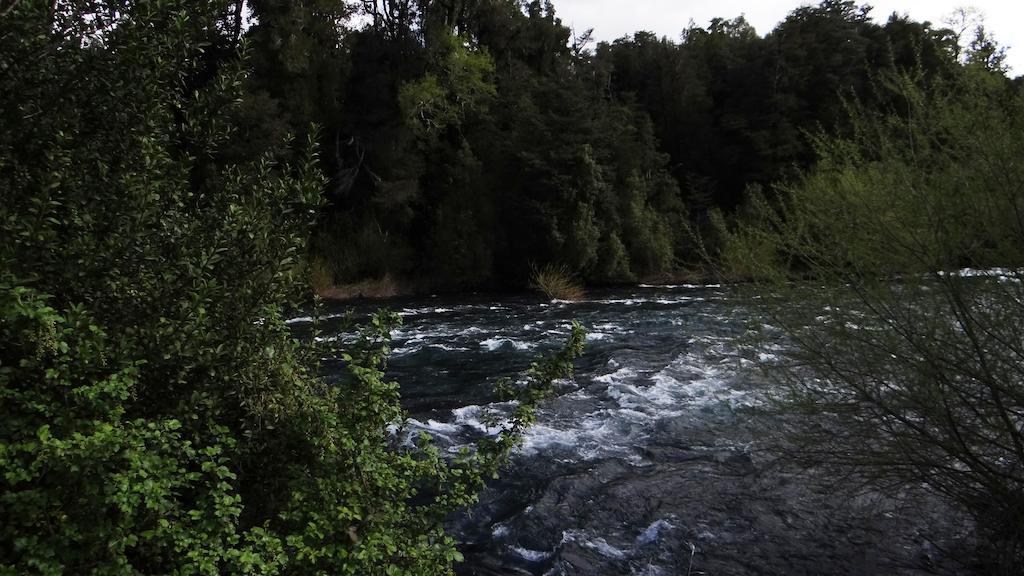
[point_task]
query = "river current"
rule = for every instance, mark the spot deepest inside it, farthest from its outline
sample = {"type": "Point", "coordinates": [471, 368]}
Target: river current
{"type": "Point", "coordinates": [654, 458]}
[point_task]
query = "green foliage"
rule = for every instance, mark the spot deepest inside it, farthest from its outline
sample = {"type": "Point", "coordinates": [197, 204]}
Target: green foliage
{"type": "Point", "coordinates": [426, 105]}
{"type": "Point", "coordinates": [476, 143]}
{"type": "Point", "coordinates": [462, 141]}
{"type": "Point", "coordinates": [298, 73]}
{"type": "Point", "coordinates": [91, 485]}
{"type": "Point", "coordinates": [159, 417]}
{"type": "Point", "coordinates": [435, 103]}
{"type": "Point", "coordinates": [650, 248]}
{"type": "Point", "coordinates": [731, 107]}
{"type": "Point", "coordinates": [905, 369]}
{"type": "Point", "coordinates": [353, 249]}
{"type": "Point", "coordinates": [933, 177]}
{"type": "Point", "coordinates": [613, 261]}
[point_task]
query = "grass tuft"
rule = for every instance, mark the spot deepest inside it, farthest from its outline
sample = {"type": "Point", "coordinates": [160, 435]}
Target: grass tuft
{"type": "Point", "coordinates": [557, 283]}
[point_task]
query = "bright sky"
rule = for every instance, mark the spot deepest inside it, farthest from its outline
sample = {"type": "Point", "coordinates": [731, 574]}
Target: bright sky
{"type": "Point", "coordinates": [613, 19]}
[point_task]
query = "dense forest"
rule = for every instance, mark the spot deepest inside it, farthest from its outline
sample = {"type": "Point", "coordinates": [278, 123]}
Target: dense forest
{"type": "Point", "coordinates": [175, 173]}
{"type": "Point", "coordinates": [470, 141]}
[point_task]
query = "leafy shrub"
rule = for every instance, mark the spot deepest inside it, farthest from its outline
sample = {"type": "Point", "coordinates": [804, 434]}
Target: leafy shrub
{"type": "Point", "coordinates": [909, 370]}
{"type": "Point", "coordinates": [158, 415]}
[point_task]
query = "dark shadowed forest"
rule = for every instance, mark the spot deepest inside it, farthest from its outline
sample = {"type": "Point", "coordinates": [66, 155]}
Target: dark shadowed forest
{"type": "Point", "coordinates": [468, 142]}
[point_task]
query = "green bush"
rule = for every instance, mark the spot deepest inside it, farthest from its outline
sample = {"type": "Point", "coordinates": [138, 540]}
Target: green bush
{"type": "Point", "coordinates": [907, 370]}
{"type": "Point", "coordinates": [90, 485]}
{"type": "Point", "coordinates": [158, 415]}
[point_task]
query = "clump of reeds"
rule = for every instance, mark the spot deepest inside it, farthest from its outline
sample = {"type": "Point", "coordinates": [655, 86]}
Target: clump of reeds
{"type": "Point", "coordinates": [557, 283]}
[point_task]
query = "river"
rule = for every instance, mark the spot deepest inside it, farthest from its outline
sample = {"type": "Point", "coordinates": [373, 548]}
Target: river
{"type": "Point", "coordinates": [654, 459]}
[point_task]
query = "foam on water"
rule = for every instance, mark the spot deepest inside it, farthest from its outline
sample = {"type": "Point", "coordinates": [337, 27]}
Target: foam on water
{"type": "Point", "coordinates": [1002, 273]}
{"type": "Point", "coordinates": [587, 539]}
{"type": "Point", "coordinates": [652, 532]}
{"type": "Point", "coordinates": [414, 312]}
{"type": "Point", "coordinates": [497, 343]}
{"type": "Point", "coordinates": [423, 311]}
{"type": "Point", "coordinates": [623, 301]}
{"type": "Point", "coordinates": [603, 433]}
{"type": "Point", "coordinates": [500, 530]}
{"type": "Point", "coordinates": [309, 319]}
{"type": "Point", "coordinates": [656, 405]}
{"type": "Point", "coordinates": [648, 571]}
{"type": "Point", "coordinates": [642, 400]}
{"type": "Point", "coordinates": [594, 542]}
{"type": "Point", "coordinates": [433, 426]}
{"type": "Point", "coordinates": [490, 419]}
{"type": "Point", "coordinates": [609, 415]}
{"type": "Point", "coordinates": [635, 401]}
{"type": "Point", "coordinates": [692, 380]}
{"type": "Point", "coordinates": [532, 555]}
{"type": "Point", "coordinates": [609, 328]}
{"type": "Point", "coordinates": [679, 286]}
{"type": "Point", "coordinates": [654, 356]}
{"type": "Point", "coordinates": [620, 375]}
{"type": "Point", "coordinates": [540, 437]}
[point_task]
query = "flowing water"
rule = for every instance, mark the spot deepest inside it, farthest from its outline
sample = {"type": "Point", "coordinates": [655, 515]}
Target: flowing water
{"type": "Point", "coordinates": [651, 461]}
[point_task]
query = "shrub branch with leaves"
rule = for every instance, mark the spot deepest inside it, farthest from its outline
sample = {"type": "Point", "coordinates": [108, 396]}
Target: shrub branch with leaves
{"type": "Point", "coordinates": [158, 415]}
{"type": "Point", "coordinates": [908, 369]}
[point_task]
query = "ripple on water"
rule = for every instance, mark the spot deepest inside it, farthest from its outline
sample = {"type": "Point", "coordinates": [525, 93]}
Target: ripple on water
{"type": "Point", "coordinates": [653, 410]}
{"type": "Point", "coordinates": [497, 343]}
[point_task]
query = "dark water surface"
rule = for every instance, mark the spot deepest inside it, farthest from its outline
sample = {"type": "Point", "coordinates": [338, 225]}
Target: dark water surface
{"type": "Point", "coordinates": [651, 461]}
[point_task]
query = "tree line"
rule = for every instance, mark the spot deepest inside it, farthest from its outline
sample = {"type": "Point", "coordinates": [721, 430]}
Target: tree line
{"type": "Point", "coordinates": [467, 142]}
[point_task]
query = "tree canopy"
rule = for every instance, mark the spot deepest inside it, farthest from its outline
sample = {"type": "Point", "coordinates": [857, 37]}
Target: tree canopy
{"type": "Point", "coordinates": [469, 142]}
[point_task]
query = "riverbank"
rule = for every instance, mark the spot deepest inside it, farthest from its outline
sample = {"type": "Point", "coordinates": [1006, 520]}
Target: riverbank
{"type": "Point", "coordinates": [371, 289]}
{"type": "Point", "coordinates": [389, 287]}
